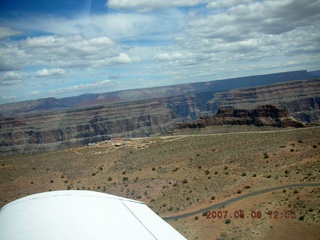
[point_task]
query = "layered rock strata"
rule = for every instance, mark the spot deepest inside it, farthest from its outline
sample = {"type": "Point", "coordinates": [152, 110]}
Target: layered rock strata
{"type": "Point", "coordinates": [266, 115]}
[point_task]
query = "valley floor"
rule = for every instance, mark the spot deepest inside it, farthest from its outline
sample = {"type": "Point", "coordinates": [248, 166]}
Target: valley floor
{"type": "Point", "coordinates": [191, 170]}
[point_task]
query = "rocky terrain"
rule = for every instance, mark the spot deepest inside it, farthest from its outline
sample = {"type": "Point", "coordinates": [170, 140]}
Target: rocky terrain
{"type": "Point", "coordinates": [51, 124]}
{"type": "Point", "coordinates": [266, 115]}
{"type": "Point", "coordinates": [190, 172]}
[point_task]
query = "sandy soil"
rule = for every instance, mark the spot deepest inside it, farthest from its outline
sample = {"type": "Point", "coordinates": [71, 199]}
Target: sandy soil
{"type": "Point", "coordinates": [189, 171]}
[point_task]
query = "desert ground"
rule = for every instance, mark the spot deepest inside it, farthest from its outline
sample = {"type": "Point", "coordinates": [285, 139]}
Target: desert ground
{"type": "Point", "coordinates": [188, 171]}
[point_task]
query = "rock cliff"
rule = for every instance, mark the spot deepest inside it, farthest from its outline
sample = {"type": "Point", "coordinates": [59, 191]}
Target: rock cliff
{"type": "Point", "coordinates": [266, 115]}
{"type": "Point", "coordinates": [63, 129]}
{"type": "Point", "coordinates": [301, 99]}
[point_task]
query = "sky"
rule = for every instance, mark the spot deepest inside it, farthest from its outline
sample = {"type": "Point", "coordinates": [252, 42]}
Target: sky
{"type": "Point", "coordinates": [60, 48]}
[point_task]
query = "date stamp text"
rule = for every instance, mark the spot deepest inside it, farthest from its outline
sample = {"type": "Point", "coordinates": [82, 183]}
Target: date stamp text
{"type": "Point", "coordinates": [241, 214]}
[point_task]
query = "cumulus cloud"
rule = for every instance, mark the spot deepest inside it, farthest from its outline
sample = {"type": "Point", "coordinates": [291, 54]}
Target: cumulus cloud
{"type": "Point", "coordinates": [168, 56]}
{"type": "Point", "coordinates": [54, 72]}
{"type": "Point", "coordinates": [71, 45]}
{"type": "Point", "coordinates": [11, 57]}
{"type": "Point", "coordinates": [259, 29]}
{"type": "Point", "coordinates": [83, 41]}
{"type": "Point", "coordinates": [268, 18]}
{"type": "Point", "coordinates": [11, 78]}
{"type": "Point", "coordinates": [122, 58]}
{"type": "Point", "coordinates": [245, 35]}
{"type": "Point", "coordinates": [71, 51]}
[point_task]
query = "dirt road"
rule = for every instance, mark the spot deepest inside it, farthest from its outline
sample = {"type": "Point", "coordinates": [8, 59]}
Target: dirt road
{"type": "Point", "coordinates": [200, 211]}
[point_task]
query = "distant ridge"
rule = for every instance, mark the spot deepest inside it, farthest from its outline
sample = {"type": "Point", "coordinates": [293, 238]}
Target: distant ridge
{"type": "Point", "coordinates": [85, 100]}
{"type": "Point", "coordinates": [189, 88]}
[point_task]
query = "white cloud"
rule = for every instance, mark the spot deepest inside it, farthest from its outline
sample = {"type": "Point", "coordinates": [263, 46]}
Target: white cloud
{"type": "Point", "coordinates": [148, 4]}
{"type": "Point", "coordinates": [84, 41]}
{"type": "Point", "coordinates": [66, 45]}
{"type": "Point", "coordinates": [259, 18]}
{"type": "Point", "coordinates": [12, 57]}
{"type": "Point", "coordinates": [10, 82]}
{"type": "Point", "coordinates": [122, 58]}
{"type": "Point", "coordinates": [54, 72]}
{"type": "Point", "coordinates": [35, 92]}
{"type": "Point", "coordinates": [259, 29]}
{"type": "Point", "coordinates": [227, 3]}
{"type": "Point", "coordinates": [242, 38]}
{"type": "Point", "coordinates": [72, 51]}
{"type": "Point", "coordinates": [168, 56]}
{"type": "Point", "coordinates": [6, 32]}
{"type": "Point", "coordinates": [114, 25]}
{"type": "Point", "coordinates": [11, 78]}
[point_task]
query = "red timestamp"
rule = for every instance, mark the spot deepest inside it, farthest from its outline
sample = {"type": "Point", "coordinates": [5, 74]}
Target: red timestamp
{"type": "Point", "coordinates": [241, 214]}
{"type": "Point", "coordinates": [286, 214]}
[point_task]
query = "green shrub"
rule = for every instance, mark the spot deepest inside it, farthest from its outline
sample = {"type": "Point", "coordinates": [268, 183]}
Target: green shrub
{"type": "Point", "coordinates": [228, 221]}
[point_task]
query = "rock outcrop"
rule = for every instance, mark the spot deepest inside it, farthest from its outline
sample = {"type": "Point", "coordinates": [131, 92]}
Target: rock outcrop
{"type": "Point", "coordinates": [266, 115]}
{"type": "Point", "coordinates": [301, 99]}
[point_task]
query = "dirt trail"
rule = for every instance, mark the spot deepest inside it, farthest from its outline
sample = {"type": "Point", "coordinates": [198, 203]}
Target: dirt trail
{"type": "Point", "coordinates": [233, 200]}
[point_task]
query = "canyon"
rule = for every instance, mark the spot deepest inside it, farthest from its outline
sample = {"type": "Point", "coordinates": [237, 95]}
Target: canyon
{"type": "Point", "coordinates": [50, 124]}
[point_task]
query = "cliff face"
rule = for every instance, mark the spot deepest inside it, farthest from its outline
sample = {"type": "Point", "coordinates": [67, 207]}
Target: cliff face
{"type": "Point", "coordinates": [58, 130]}
{"type": "Point", "coordinates": [301, 99]}
{"type": "Point", "coordinates": [266, 115]}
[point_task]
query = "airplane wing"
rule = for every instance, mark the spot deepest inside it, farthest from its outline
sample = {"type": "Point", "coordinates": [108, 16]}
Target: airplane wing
{"type": "Point", "coordinates": [80, 215]}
